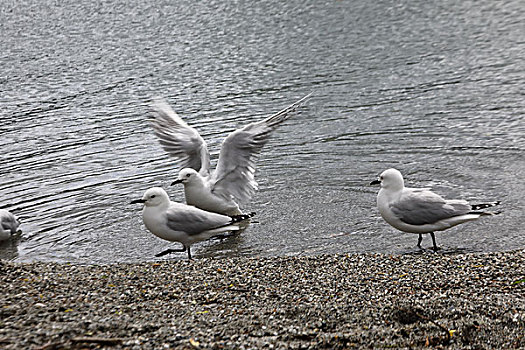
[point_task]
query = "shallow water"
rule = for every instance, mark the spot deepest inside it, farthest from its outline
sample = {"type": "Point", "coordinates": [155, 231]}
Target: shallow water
{"type": "Point", "coordinates": [433, 89]}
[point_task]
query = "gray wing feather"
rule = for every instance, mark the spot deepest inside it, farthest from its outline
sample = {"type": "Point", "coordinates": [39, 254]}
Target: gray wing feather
{"type": "Point", "coordinates": [235, 171]}
{"type": "Point", "coordinates": [193, 220]}
{"type": "Point", "coordinates": [420, 207]}
{"type": "Point", "coordinates": [5, 224]}
{"type": "Point", "coordinates": [9, 222]}
{"type": "Point", "coordinates": [179, 139]}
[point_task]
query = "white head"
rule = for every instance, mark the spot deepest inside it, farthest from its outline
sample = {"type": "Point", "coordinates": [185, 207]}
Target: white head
{"type": "Point", "coordinates": [153, 197]}
{"type": "Point", "coordinates": [391, 179]}
{"type": "Point", "coordinates": [186, 175]}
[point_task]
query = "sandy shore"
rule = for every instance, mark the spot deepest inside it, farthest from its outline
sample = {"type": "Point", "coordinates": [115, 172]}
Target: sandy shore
{"type": "Point", "coordinates": [467, 301]}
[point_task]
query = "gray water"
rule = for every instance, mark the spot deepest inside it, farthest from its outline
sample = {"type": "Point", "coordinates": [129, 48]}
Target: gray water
{"type": "Point", "coordinates": [435, 89]}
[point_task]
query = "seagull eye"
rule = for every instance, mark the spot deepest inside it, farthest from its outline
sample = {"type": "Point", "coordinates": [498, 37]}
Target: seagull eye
{"type": "Point", "coordinates": [152, 196]}
{"type": "Point", "coordinates": [188, 175]}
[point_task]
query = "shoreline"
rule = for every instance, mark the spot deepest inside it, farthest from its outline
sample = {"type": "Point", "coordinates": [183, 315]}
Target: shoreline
{"type": "Point", "coordinates": [463, 301]}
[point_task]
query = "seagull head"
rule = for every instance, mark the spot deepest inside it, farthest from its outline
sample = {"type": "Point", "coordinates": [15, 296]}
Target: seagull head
{"type": "Point", "coordinates": [390, 179]}
{"type": "Point", "coordinates": [186, 175]}
{"type": "Point", "coordinates": [153, 197]}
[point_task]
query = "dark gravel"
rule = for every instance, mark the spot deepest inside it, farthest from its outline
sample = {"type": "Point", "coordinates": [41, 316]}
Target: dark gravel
{"type": "Point", "coordinates": [467, 301]}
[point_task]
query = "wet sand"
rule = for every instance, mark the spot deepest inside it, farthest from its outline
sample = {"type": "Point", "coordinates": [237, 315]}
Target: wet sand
{"type": "Point", "coordinates": [463, 301]}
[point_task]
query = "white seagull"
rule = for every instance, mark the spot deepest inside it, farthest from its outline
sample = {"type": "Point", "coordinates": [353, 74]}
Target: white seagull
{"type": "Point", "coordinates": [177, 222]}
{"type": "Point", "coordinates": [8, 224]}
{"type": "Point", "coordinates": [233, 180]}
{"type": "Point", "coordinates": [419, 210]}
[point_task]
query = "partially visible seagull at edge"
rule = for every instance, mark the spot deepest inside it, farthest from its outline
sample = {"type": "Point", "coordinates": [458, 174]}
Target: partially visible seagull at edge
{"type": "Point", "coordinates": [233, 180]}
{"type": "Point", "coordinates": [8, 224]}
{"type": "Point", "coordinates": [419, 210]}
{"type": "Point", "coordinates": [177, 222]}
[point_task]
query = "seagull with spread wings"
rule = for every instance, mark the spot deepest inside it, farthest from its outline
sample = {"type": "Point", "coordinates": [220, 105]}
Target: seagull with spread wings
{"type": "Point", "coordinates": [233, 180]}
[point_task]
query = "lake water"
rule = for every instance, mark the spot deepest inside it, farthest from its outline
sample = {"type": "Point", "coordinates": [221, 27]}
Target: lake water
{"type": "Point", "coordinates": [434, 89]}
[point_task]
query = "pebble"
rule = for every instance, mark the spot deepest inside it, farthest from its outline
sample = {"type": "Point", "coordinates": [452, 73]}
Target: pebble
{"type": "Point", "coordinates": [462, 301]}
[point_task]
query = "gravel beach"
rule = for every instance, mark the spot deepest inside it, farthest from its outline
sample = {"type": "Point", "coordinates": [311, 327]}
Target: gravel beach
{"type": "Point", "coordinates": [467, 301]}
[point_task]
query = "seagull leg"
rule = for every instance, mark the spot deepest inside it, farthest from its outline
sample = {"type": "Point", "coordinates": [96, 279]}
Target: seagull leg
{"type": "Point", "coordinates": [169, 251]}
{"type": "Point", "coordinates": [189, 253]}
{"type": "Point", "coordinates": [419, 241]}
{"type": "Point", "coordinates": [434, 241]}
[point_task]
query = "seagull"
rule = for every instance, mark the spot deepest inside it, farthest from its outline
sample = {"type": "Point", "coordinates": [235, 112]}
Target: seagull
{"type": "Point", "coordinates": [233, 180]}
{"type": "Point", "coordinates": [177, 222]}
{"type": "Point", "coordinates": [8, 224]}
{"type": "Point", "coordinates": [419, 210]}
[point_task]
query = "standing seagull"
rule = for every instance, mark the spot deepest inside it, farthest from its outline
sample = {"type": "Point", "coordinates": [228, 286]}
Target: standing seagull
{"type": "Point", "coordinates": [177, 222]}
{"type": "Point", "coordinates": [233, 180]}
{"type": "Point", "coordinates": [418, 210]}
{"type": "Point", "coordinates": [8, 224]}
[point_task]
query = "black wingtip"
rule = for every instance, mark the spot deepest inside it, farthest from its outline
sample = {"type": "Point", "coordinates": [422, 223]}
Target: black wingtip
{"type": "Point", "coordinates": [242, 217]}
{"type": "Point", "coordinates": [484, 205]}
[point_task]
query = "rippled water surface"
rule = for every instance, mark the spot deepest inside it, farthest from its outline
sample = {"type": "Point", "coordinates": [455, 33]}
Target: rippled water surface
{"type": "Point", "coordinates": [435, 89]}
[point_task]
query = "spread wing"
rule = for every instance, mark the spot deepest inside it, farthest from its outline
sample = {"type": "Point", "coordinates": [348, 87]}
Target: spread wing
{"type": "Point", "coordinates": [421, 206]}
{"type": "Point", "coordinates": [235, 171]}
{"type": "Point", "coordinates": [192, 220]}
{"type": "Point", "coordinates": [179, 139]}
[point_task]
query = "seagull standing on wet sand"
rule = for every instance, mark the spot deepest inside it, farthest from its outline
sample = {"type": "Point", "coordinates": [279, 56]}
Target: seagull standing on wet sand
{"type": "Point", "coordinates": [177, 222]}
{"type": "Point", "coordinates": [8, 224]}
{"type": "Point", "coordinates": [418, 210]}
{"type": "Point", "coordinates": [233, 180]}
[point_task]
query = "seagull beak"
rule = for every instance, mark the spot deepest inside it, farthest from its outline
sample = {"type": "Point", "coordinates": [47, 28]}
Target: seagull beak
{"type": "Point", "coordinates": [375, 182]}
{"type": "Point", "coordinates": [179, 181]}
{"type": "Point", "coordinates": [136, 201]}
